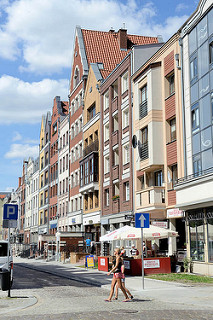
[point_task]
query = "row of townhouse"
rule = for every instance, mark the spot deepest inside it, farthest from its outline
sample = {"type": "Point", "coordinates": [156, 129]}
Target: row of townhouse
{"type": "Point", "coordinates": [90, 179]}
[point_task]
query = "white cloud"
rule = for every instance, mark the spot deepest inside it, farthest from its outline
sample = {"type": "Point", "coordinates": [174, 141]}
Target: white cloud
{"type": "Point", "coordinates": [41, 31]}
{"type": "Point", "coordinates": [20, 151]}
{"type": "Point", "coordinates": [181, 6]}
{"type": "Point", "coordinates": [17, 136]}
{"type": "Point", "coordinates": [24, 102]}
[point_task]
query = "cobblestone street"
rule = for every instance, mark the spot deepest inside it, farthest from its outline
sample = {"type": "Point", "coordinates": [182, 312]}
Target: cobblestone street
{"type": "Point", "coordinates": [60, 298]}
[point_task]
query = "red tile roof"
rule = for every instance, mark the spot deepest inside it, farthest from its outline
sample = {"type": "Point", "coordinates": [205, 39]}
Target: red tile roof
{"type": "Point", "coordinates": [103, 47]}
{"type": "Point", "coordinates": [2, 196]}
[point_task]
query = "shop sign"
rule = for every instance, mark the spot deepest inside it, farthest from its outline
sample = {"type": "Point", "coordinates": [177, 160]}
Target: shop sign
{"type": "Point", "coordinates": [102, 262]}
{"type": "Point", "coordinates": [148, 264]}
{"type": "Point", "coordinates": [174, 213]}
{"type": "Point", "coordinates": [90, 262]}
{"type": "Point", "coordinates": [161, 224]}
{"type": "Point", "coordinates": [127, 264]}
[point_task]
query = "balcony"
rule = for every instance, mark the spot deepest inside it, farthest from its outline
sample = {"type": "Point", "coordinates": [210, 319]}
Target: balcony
{"type": "Point", "coordinates": [114, 104]}
{"type": "Point", "coordinates": [116, 206]}
{"type": "Point", "coordinates": [115, 138]}
{"type": "Point", "coordinates": [151, 197]}
{"type": "Point", "coordinates": [89, 173]}
{"type": "Point", "coordinates": [115, 172]}
{"type": "Point", "coordinates": [91, 148]}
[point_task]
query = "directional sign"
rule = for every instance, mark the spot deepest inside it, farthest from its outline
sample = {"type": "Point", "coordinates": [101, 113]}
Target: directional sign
{"type": "Point", "coordinates": [10, 211]}
{"type": "Point", "coordinates": [142, 220]}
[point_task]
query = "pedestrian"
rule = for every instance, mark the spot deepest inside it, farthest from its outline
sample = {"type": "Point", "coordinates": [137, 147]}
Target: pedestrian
{"type": "Point", "coordinates": [134, 251]}
{"type": "Point", "coordinates": [123, 285]}
{"type": "Point", "coordinates": [88, 243]}
{"type": "Point", "coordinates": [92, 247]}
{"type": "Point", "coordinates": [117, 275]}
{"type": "Point", "coordinates": [123, 252]}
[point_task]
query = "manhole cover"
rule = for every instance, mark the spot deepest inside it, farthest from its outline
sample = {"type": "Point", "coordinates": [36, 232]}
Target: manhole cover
{"type": "Point", "coordinates": [124, 311]}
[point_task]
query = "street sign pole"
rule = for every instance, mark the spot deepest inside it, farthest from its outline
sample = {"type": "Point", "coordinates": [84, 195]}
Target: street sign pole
{"type": "Point", "coordinates": [142, 261]}
{"type": "Point", "coordinates": [8, 256]}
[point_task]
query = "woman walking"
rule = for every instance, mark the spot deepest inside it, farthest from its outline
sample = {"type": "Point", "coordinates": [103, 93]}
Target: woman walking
{"type": "Point", "coordinates": [123, 285]}
{"type": "Point", "coordinates": [117, 276]}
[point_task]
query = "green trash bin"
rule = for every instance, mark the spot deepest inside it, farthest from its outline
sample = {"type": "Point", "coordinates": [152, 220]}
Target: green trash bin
{"type": "Point", "coordinates": [5, 279]}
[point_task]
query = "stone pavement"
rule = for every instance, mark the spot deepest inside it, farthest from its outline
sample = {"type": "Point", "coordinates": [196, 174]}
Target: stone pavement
{"type": "Point", "coordinates": [184, 296]}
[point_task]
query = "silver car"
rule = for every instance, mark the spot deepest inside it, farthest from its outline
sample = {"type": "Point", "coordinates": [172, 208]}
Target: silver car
{"type": "Point", "coordinates": [4, 258]}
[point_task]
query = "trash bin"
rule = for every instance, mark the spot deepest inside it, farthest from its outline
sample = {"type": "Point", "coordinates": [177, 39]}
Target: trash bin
{"type": "Point", "coordinates": [5, 279]}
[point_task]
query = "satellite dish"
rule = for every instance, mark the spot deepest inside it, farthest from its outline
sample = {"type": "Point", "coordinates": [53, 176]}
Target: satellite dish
{"type": "Point", "coordinates": [134, 141]}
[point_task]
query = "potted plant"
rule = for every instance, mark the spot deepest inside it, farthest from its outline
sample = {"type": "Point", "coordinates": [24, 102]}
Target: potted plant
{"type": "Point", "coordinates": [115, 197]}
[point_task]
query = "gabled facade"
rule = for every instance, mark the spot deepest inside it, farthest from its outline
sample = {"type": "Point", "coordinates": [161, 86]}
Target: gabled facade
{"type": "Point", "coordinates": [28, 207]}
{"type": "Point", "coordinates": [107, 49]}
{"type": "Point", "coordinates": [194, 189]}
{"type": "Point", "coordinates": [60, 109]}
{"type": "Point", "coordinates": [34, 205]}
{"type": "Point", "coordinates": [63, 174]}
{"type": "Point", "coordinates": [90, 164]}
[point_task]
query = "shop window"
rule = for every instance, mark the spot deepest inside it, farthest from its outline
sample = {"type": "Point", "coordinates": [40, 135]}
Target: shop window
{"type": "Point", "coordinates": [210, 238]}
{"type": "Point", "coordinates": [196, 229]}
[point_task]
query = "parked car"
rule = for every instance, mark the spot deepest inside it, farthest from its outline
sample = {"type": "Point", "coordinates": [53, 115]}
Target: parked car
{"type": "Point", "coordinates": [4, 259]}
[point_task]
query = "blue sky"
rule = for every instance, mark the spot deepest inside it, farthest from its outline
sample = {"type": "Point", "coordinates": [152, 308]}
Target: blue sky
{"type": "Point", "coordinates": [36, 43]}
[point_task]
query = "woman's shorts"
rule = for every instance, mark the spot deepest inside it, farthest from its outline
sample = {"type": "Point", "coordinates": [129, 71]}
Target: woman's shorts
{"type": "Point", "coordinates": [117, 275]}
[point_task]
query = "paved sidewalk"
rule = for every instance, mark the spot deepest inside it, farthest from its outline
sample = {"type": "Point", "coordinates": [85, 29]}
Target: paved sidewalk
{"type": "Point", "coordinates": [185, 296]}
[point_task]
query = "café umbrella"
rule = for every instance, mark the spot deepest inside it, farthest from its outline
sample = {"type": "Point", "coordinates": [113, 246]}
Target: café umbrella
{"type": "Point", "coordinates": [150, 233]}
{"type": "Point", "coordinates": [113, 235]}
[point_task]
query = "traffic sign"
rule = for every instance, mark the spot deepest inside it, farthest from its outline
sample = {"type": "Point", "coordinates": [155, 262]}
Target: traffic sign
{"type": "Point", "coordinates": [142, 220]}
{"type": "Point", "coordinates": [10, 211]}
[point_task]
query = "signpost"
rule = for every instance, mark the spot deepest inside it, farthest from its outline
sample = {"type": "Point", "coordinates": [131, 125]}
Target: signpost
{"type": "Point", "coordinates": [10, 216]}
{"type": "Point", "coordinates": [142, 221]}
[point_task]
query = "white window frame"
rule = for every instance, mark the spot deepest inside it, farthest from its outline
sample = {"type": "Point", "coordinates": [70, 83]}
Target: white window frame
{"type": "Point", "coordinates": [106, 164]}
{"type": "Point", "coordinates": [125, 82]}
{"type": "Point", "coordinates": [125, 118]}
{"type": "Point", "coordinates": [106, 100]}
{"type": "Point", "coordinates": [106, 131]}
{"type": "Point", "coordinates": [126, 154]}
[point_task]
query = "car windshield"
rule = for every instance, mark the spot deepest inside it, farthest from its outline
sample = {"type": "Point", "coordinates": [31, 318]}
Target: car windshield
{"type": "Point", "coordinates": [3, 249]}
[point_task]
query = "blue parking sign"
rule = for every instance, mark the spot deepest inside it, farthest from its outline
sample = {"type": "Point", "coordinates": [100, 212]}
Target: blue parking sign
{"type": "Point", "coordinates": [10, 211]}
{"type": "Point", "coordinates": [141, 220]}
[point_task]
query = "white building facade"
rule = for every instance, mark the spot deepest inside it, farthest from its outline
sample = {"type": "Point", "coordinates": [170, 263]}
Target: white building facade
{"type": "Point", "coordinates": [194, 191]}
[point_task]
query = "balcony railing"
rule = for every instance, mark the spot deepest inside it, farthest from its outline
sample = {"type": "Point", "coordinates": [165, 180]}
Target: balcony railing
{"type": "Point", "coordinates": [151, 196]}
{"type": "Point", "coordinates": [92, 147]}
{"type": "Point", "coordinates": [143, 111]}
{"type": "Point", "coordinates": [144, 151]}
{"type": "Point", "coordinates": [194, 176]}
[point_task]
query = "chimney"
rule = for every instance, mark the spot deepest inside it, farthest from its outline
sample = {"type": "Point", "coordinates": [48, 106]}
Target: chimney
{"type": "Point", "coordinates": [122, 39]}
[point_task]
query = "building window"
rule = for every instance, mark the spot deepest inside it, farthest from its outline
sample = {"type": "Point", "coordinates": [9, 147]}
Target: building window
{"type": "Point", "coordinates": [91, 112]}
{"type": "Point", "coordinates": [171, 80]}
{"type": "Point", "coordinates": [96, 198]}
{"type": "Point", "coordinates": [115, 157]}
{"type": "Point", "coordinates": [86, 201]}
{"type": "Point", "coordinates": [126, 191]}
{"type": "Point", "coordinates": [211, 52]}
{"type": "Point", "coordinates": [106, 100]}
{"type": "Point", "coordinates": [106, 197]}
{"type": "Point", "coordinates": [143, 146]}
{"type": "Point", "coordinates": [126, 118]}
{"type": "Point", "coordinates": [195, 117]}
{"type": "Point", "coordinates": [76, 77]}
{"type": "Point", "coordinates": [174, 175]}
{"type": "Point", "coordinates": [158, 178]}
{"type": "Point", "coordinates": [125, 82]}
{"type": "Point", "coordinates": [54, 128]}
{"type": "Point", "coordinates": [91, 200]}
{"type": "Point", "coordinates": [106, 165]}
{"type": "Point", "coordinates": [106, 132]}
{"type": "Point", "coordinates": [143, 102]}
{"type": "Point", "coordinates": [193, 69]}
{"type": "Point", "coordinates": [172, 124]}
{"type": "Point", "coordinates": [126, 157]}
